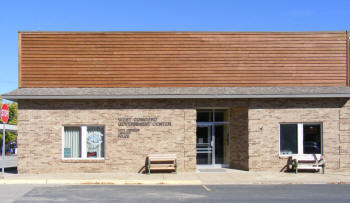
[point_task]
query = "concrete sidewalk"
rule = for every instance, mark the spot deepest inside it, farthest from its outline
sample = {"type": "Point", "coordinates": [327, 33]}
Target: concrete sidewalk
{"type": "Point", "coordinates": [195, 178]}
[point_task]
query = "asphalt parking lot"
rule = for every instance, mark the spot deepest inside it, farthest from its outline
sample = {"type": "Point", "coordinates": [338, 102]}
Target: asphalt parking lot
{"type": "Point", "coordinates": [222, 193]}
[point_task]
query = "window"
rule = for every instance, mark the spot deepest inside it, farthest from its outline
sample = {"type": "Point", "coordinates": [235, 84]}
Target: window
{"type": "Point", "coordinates": [312, 139]}
{"type": "Point", "coordinates": [216, 115]}
{"type": "Point", "coordinates": [300, 138]}
{"type": "Point", "coordinates": [204, 116]}
{"type": "Point", "coordinates": [83, 142]}
{"type": "Point", "coordinates": [289, 139]}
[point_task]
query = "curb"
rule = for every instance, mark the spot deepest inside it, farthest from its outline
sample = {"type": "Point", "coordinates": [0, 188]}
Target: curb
{"type": "Point", "coordinates": [23, 181]}
{"type": "Point", "coordinates": [98, 182]}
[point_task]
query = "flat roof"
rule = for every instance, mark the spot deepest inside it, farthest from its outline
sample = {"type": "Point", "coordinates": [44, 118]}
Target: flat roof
{"type": "Point", "coordinates": [178, 93]}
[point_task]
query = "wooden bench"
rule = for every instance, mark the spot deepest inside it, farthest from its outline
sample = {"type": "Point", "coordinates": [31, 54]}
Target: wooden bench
{"type": "Point", "coordinates": [162, 162]}
{"type": "Point", "coordinates": [308, 162]}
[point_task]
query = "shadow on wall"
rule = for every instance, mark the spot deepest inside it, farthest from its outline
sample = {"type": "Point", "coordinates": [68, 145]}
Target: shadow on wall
{"type": "Point", "coordinates": [297, 103]}
{"type": "Point", "coordinates": [181, 103]}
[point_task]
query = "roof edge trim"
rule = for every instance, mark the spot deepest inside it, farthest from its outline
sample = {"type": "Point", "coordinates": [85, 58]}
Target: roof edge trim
{"type": "Point", "coordinates": [169, 96]}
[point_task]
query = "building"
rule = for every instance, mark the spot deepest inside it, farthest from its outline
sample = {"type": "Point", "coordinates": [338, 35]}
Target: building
{"type": "Point", "coordinates": [103, 101]}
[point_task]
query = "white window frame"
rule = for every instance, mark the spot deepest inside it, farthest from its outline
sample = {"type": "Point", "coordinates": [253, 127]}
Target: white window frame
{"type": "Point", "coordinates": [83, 130]}
{"type": "Point", "coordinates": [300, 127]}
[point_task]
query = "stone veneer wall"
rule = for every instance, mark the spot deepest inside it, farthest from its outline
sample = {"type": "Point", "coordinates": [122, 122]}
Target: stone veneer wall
{"type": "Point", "coordinates": [254, 141]}
{"type": "Point", "coordinates": [266, 115]}
{"type": "Point", "coordinates": [239, 153]}
{"type": "Point", "coordinates": [40, 135]}
{"type": "Point", "coordinates": [344, 137]}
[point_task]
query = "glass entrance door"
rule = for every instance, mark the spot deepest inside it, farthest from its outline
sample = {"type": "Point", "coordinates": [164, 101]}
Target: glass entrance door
{"type": "Point", "coordinates": [212, 138]}
{"type": "Point", "coordinates": [204, 145]}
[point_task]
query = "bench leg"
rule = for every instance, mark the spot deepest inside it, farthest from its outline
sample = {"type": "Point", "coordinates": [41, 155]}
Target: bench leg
{"type": "Point", "coordinates": [149, 167]}
{"type": "Point", "coordinates": [176, 166]}
{"type": "Point", "coordinates": [296, 167]}
{"type": "Point", "coordinates": [323, 167]}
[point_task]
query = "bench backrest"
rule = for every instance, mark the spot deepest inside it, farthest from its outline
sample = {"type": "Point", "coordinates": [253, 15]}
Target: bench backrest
{"type": "Point", "coordinates": [307, 157]}
{"type": "Point", "coordinates": [162, 156]}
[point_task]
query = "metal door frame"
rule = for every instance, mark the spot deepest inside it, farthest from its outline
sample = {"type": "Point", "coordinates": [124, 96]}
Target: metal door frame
{"type": "Point", "coordinates": [212, 125]}
{"type": "Point", "coordinates": [211, 144]}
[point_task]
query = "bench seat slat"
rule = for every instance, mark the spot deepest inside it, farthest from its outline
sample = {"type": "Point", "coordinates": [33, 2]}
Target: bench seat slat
{"type": "Point", "coordinates": [310, 167]}
{"type": "Point", "coordinates": [163, 167]}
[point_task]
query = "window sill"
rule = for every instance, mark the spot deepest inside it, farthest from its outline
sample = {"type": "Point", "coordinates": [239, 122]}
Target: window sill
{"type": "Point", "coordinates": [100, 160]}
{"type": "Point", "coordinates": [285, 155]}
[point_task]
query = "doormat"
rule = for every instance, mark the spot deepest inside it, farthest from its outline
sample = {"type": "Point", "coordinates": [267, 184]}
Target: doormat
{"type": "Point", "coordinates": [212, 170]}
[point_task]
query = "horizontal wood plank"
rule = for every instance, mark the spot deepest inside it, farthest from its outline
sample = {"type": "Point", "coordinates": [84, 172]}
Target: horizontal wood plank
{"type": "Point", "coordinates": [173, 59]}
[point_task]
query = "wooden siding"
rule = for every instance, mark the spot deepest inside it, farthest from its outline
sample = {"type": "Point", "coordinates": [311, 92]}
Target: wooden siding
{"type": "Point", "coordinates": [166, 59]}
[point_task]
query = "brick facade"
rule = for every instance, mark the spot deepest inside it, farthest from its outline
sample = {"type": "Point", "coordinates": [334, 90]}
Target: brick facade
{"type": "Point", "coordinates": [40, 135]}
{"type": "Point", "coordinates": [266, 115]}
{"type": "Point", "coordinates": [239, 145]}
{"type": "Point", "coordinates": [344, 137]}
{"type": "Point", "coordinates": [254, 132]}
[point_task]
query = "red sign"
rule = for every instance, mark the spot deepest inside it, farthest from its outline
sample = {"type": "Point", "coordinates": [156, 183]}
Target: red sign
{"type": "Point", "coordinates": [4, 113]}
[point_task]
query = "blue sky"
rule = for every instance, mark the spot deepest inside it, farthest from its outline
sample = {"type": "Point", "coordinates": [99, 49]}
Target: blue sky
{"type": "Point", "coordinates": [160, 15]}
